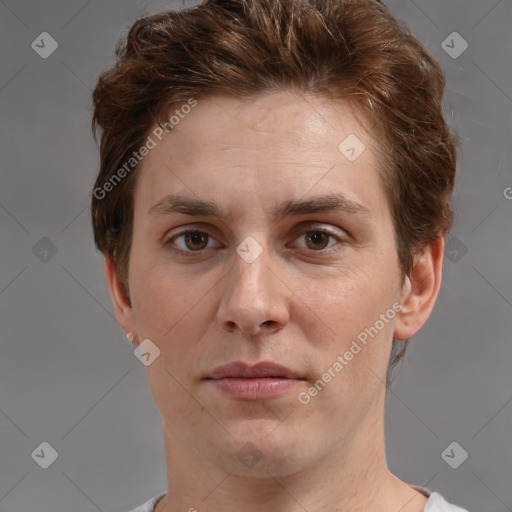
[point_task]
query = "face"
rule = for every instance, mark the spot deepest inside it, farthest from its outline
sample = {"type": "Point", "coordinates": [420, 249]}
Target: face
{"type": "Point", "coordinates": [256, 239]}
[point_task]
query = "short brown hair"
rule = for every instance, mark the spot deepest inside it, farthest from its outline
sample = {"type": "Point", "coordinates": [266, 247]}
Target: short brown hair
{"type": "Point", "coordinates": [347, 48]}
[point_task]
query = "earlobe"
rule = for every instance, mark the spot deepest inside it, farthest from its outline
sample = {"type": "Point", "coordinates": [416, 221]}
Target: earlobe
{"type": "Point", "coordinates": [420, 290]}
{"type": "Point", "coordinates": [120, 300]}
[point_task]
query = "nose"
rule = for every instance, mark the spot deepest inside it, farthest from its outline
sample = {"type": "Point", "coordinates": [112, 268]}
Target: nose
{"type": "Point", "coordinates": [254, 300]}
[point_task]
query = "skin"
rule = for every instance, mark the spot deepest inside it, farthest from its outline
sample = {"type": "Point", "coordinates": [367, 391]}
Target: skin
{"type": "Point", "coordinates": [301, 303]}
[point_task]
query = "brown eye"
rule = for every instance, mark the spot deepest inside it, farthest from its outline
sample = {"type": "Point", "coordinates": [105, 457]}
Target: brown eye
{"type": "Point", "coordinates": [190, 241]}
{"type": "Point", "coordinates": [317, 239]}
{"type": "Point", "coordinates": [196, 241]}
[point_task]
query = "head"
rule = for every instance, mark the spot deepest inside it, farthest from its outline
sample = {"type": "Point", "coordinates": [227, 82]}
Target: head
{"type": "Point", "coordinates": [250, 108]}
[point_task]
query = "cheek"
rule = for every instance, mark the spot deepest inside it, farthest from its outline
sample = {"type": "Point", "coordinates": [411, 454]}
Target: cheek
{"type": "Point", "coordinates": [162, 293]}
{"type": "Point", "coordinates": [172, 315]}
{"type": "Point", "coordinates": [352, 371]}
{"type": "Point", "coordinates": [352, 326]}
{"type": "Point", "coordinates": [355, 298]}
{"type": "Point", "coordinates": [175, 312]}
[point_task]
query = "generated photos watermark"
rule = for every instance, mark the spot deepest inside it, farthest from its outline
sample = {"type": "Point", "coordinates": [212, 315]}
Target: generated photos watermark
{"type": "Point", "coordinates": [149, 144]}
{"type": "Point", "coordinates": [304, 397]}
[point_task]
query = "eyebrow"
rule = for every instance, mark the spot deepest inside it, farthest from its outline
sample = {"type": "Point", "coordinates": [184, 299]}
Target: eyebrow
{"type": "Point", "coordinates": [174, 203]}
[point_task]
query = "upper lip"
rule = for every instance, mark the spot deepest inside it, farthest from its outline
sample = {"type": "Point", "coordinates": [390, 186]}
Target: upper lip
{"type": "Point", "coordinates": [242, 370]}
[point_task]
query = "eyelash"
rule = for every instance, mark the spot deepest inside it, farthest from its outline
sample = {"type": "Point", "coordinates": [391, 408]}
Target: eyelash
{"type": "Point", "coordinates": [168, 243]}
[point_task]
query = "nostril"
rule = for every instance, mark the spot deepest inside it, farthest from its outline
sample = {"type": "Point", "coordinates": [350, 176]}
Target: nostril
{"type": "Point", "coordinates": [230, 326]}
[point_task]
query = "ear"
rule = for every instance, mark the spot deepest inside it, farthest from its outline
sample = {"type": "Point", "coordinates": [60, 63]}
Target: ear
{"type": "Point", "coordinates": [420, 290]}
{"type": "Point", "coordinates": [122, 305]}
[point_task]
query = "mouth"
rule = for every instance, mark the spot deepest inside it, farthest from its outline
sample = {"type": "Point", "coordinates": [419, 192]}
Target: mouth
{"type": "Point", "coordinates": [242, 370]}
{"type": "Point", "coordinates": [262, 381]}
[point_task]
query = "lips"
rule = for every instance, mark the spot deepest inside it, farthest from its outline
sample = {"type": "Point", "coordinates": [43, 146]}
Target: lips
{"type": "Point", "coordinates": [262, 381]}
{"type": "Point", "coordinates": [242, 370]}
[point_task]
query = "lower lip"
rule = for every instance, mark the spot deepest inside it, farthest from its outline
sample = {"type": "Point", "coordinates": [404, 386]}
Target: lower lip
{"type": "Point", "coordinates": [254, 389]}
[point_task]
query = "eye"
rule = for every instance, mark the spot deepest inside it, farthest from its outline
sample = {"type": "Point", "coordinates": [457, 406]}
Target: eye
{"type": "Point", "coordinates": [317, 239]}
{"type": "Point", "coordinates": [191, 240]}
{"type": "Point", "coordinates": [194, 241]}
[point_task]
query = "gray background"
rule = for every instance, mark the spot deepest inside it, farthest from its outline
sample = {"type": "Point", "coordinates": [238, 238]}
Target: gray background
{"type": "Point", "coordinates": [68, 376]}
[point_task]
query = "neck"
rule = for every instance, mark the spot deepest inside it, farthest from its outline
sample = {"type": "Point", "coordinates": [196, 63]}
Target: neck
{"type": "Point", "coordinates": [351, 476]}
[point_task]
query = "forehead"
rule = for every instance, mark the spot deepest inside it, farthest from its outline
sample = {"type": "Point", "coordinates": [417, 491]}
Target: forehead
{"type": "Point", "coordinates": [271, 120]}
{"type": "Point", "coordinates": [274, 145]}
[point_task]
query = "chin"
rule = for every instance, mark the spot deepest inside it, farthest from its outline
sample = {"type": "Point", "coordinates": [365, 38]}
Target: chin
{"type": "Point", "coordinates": [260, 452]}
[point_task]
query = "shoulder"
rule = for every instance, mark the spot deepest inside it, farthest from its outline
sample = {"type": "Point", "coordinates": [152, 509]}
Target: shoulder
{"type": "Point", "coordinates": [436, 503]}
{"type": "Point", "coordinates": [148, 506]}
